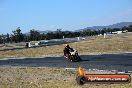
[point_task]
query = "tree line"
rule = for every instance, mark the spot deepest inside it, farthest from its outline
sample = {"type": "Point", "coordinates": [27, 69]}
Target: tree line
{"type": "Point", "coordinates": [17, 35]}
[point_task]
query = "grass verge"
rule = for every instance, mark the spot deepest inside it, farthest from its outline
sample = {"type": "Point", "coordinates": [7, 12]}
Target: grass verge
{"type": "Point", "coordinates": [114, 43]}
{"type": "Point", "coordinates": [11, 77]}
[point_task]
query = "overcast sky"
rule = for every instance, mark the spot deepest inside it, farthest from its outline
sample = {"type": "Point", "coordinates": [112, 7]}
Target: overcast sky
{"type": "Point", "coordinates": [64, 14]}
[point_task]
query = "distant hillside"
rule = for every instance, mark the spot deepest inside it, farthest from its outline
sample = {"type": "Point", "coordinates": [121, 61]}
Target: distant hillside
{"type": "Point", "coordinates": [117, 25]}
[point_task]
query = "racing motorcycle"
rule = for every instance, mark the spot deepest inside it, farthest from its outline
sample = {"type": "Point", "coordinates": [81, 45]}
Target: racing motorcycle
{"type": "Point", "coordinates": [72, 55]}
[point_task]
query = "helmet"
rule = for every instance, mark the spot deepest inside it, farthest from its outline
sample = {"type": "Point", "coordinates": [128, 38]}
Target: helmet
{"type": "Point", "coordinates": [66, 45]}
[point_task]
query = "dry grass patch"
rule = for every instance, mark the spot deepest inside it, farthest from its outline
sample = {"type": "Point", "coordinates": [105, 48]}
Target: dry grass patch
{"type": "Point", "coordinates": [115, 43]}
{"type": "Point", "coordinates": [11, 77]}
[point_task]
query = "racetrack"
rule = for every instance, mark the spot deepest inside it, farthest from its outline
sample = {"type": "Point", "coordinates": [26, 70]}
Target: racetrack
{"type": "Point", "coordinates": [120, 62]}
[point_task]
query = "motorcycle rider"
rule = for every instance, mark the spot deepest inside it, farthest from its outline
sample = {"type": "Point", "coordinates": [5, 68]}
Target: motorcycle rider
{"type": "Point", "coordinates": [66, 50]}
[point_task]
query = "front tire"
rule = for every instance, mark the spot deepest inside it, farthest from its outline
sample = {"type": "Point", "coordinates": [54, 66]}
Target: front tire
{"type": "Point", "coordinates": [71, 58]}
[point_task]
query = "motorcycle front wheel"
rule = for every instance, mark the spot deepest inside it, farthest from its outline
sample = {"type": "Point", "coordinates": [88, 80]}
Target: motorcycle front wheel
{"type": "Point", "coordinates": [71, 58]}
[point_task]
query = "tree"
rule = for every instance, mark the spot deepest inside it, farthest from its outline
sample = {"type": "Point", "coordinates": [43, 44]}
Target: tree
{"type": "Point", "coordinates": [17, 36]}
{"type": "Point", "coordinates": [26, 38]}
{"type": "Point", "coordinates": [8, 38]}
{"type": "Point", "coordinates": [102, 32]}
{"type": "Point", "coordinates": [116, 29]}
{"type": "Point", "coordinates": [34, 35]}
{"type": "Point", "coordinates": [124, 28]}
{"type": "Point", "coordinates": [43, 36]}
{"type": "Point", "coordinates": [130, 28]}
{"type": "Point", "coordinates": [58, 34]}
{"type": "Point", "coordinates": [1, 40]}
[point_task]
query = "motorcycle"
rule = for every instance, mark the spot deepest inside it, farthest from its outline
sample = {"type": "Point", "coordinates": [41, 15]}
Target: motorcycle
{"type": "Point", "coordinates": [72, 55]}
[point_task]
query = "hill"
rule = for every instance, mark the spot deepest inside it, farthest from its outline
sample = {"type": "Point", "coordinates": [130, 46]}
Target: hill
{"type": "Point", "coordinates": [117, 25]}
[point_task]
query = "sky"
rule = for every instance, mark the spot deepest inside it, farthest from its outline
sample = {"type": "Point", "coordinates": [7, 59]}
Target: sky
{"type": "Point", "coordinates": [61, 14]}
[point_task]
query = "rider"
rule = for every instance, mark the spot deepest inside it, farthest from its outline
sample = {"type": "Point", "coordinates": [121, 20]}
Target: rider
{"type": "Point", "coordinates": [66, 50]}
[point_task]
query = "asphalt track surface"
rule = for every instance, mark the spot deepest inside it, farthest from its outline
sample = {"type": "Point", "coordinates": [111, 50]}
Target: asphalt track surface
{"type": "Point", "coordinates": [120, 62]}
